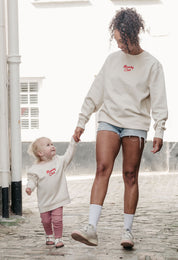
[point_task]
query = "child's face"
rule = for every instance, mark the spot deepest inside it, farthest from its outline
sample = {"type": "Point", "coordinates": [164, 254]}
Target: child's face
{"type": "Point", "coordinates": [46, 149]}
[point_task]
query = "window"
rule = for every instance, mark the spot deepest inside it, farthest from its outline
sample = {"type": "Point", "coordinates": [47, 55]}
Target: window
{"type": "Point", "coordinates": [29, 95]}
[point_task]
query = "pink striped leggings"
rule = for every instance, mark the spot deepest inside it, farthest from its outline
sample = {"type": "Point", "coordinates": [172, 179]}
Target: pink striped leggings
{"type": "Point", "coordinates": [53, 221]}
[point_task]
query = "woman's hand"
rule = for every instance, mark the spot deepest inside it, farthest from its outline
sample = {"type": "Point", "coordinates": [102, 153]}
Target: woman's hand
{"type": "Point", "coordinates": [157, 144]}
{"type": "Point", "coordinates": [28, 191]}
{"type": "Point", "coordinates": [78, 132]}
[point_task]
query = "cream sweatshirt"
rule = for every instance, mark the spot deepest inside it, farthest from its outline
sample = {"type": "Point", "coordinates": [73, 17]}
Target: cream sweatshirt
{"type": "Point", "coordinates": [126, 91]}
{"type": "Point", "coordinates": [50, 180]}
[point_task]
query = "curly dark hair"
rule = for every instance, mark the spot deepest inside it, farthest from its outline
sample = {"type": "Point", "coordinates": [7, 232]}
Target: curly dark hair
{"type": "Point", "coordinates": [129, 23]}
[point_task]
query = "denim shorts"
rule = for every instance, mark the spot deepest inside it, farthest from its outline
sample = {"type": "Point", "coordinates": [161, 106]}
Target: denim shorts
{"type": "Point", "coordinates": [122, 131]}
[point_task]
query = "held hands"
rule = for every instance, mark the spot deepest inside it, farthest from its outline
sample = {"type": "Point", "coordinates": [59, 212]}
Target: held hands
{"type": "Point", "coordinates": [78, 132]}
{"type": "Point", "coordinates": [157, 144]}
{"type": "Point", "coordinates": [28, 191]}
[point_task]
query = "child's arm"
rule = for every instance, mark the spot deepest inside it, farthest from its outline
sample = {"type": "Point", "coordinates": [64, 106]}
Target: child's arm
{"type": "Point", "coordinates": [69, 153]}
{"type": "Point", "coordinates": [32, 183]}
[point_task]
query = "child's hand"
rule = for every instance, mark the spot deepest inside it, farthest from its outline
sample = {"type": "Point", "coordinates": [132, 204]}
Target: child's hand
{"type": "Point", "coordinates": [28, 191]}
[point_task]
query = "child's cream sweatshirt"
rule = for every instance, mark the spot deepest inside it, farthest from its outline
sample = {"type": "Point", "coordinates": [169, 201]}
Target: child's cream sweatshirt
{"type": "Point", "coordinates": [127, 89]}
{"type": "Point", "coordinates": [50, 180]}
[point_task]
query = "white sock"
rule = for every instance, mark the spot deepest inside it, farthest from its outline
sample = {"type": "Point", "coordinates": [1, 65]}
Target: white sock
{"type": "Point", "coordinates": [94, 214]}
{"type": "Point", "coordinates": [128, 221]}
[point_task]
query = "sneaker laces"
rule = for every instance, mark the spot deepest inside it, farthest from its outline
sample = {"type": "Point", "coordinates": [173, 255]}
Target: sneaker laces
{"type": "Point", "coordinates": [87, 227]}
{"type": "Point", "coordinates": [128, 233]}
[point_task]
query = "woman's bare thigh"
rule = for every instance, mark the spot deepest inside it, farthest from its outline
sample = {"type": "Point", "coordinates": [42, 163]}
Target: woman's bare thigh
{"type": "Point", "coordinates": [107, 148]}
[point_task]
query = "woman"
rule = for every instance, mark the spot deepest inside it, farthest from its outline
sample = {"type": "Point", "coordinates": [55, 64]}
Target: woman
{"type": "Point", "coordinates": [129, 86]}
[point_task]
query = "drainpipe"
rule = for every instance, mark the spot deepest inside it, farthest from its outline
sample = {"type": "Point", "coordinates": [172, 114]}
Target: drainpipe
{"type": "Point", "coordinates": [4, 139]}
{"type": "Point", "coordinates": [14, 96]}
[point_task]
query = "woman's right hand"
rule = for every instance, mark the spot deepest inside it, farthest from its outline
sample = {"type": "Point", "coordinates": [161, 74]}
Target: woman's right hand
{"type": "Point", "coordinates": [78, 132]}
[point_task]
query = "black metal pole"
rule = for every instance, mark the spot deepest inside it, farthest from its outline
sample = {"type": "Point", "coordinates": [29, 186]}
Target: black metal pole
{"type": "Point", "coordinates": [16, 197]}
{"type": "Point", "coordinates": [5, 202]}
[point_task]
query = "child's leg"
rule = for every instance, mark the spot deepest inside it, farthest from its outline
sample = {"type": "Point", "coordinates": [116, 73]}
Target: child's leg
{"type": "Point", "coordinates": [57, 221]}
{"type": "Point", "coordinates": [46, 221]}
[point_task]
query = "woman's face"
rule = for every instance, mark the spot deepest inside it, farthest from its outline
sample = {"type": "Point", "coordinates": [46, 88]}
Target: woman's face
{"type": "Point", "coordinates": [121, 45]}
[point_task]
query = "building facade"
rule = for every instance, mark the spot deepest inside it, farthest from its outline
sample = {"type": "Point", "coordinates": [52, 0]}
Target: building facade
{"type": "Point", "coordinates": [63, 45]}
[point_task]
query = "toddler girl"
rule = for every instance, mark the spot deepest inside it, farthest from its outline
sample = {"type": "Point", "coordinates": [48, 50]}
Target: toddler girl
{"type": "Point", "coordinates": [47, 175]}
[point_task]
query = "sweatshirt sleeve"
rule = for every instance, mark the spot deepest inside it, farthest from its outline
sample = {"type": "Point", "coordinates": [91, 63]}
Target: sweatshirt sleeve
{"type": "Point", "coordinates": [69, 154]}
{"type": "Point", "coordinates": [158, 100]}
{"type": "Point", "coordinates": [32, 181]}
{"type": "Point", "coordinates": [93, 100]}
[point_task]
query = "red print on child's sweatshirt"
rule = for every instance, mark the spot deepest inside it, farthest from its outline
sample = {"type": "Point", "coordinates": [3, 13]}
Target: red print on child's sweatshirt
{"type": "Point", "coordinates": [51, 172]}
{"type": "Point", "coordinates": [128, 68]}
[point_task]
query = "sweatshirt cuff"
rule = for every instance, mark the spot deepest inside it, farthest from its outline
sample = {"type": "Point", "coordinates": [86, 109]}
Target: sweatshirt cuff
{"type": "Point", "coordinates": [82, 121]}
{"type": "Point", "coordinates": [159, 133]}
{"type": "Point", "coordinates": [72, 141]}
{"type": "Point", "coordinates": [81, 124]}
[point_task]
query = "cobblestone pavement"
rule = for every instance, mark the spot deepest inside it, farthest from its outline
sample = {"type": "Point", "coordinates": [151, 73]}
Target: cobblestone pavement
{"type": "Point", "coordinates": [155, 225]}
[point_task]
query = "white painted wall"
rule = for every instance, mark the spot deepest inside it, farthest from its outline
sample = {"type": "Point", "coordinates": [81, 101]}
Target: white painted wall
{"type": "Point", "coordinates": [68, 45]}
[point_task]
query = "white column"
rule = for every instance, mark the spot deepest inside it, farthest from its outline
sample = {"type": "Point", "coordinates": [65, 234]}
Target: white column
{"type": "Point", "coordinates": [4, 138]}
{"type": "Point", "coordinates": [14, 95]}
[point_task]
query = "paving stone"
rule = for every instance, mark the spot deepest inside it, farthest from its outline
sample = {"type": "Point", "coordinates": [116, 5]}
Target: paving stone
{"type": "Point", "coordinates": [155, 225]}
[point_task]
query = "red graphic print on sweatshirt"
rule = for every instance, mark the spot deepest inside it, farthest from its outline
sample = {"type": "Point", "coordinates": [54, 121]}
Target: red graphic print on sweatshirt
{"type": "Point", "coordinates": [128, 68]}
{"type": "Point", "coordinates": [51, 172]}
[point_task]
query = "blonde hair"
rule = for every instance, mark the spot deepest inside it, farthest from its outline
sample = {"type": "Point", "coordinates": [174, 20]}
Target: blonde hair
{"type": "Point", "coordinates": [34, 148]}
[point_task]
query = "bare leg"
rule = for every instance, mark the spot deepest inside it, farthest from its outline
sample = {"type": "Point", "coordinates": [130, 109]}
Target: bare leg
{"type": "Point", "coordinates": [107, 148]}
{"type": "Point", "coordinates": [132, 152]}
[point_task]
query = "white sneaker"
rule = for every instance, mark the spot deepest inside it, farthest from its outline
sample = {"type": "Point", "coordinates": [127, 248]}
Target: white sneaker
{"type": "Point", "coordinates": [87, 236]}
{"type": "Point", "coordinates": [127, 239]}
